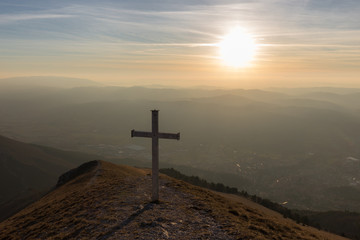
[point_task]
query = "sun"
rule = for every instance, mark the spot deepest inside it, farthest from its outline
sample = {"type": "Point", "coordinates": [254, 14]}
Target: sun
{"type": "Point", "coordinates": [238, 48]}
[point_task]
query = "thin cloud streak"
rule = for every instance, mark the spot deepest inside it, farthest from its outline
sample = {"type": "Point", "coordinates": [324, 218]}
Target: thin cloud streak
{"type": "Point", "coordinates": [9, 18]}
{"type": "Point", "coordinates": [310, 45]}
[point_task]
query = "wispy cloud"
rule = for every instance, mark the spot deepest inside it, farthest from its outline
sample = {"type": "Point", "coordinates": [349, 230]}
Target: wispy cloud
{"type": "Point", "coordinates": [9, 18]}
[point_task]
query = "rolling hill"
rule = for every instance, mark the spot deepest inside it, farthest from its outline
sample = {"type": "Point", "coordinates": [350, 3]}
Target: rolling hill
{"type": "Point", "coordinates": [100, 200]}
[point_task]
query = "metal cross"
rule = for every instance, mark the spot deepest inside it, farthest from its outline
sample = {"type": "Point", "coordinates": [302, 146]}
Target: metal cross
{"type": "Point", "coordinates": [155, 135]}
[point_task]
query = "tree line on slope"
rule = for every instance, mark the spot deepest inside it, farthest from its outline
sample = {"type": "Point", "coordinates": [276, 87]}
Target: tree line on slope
{"type": "Point", "coordinates": [301, 217]}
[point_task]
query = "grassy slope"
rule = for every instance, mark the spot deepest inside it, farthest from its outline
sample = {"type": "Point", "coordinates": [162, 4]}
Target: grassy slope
{"type": "Point", "coordinates": [109, 201]}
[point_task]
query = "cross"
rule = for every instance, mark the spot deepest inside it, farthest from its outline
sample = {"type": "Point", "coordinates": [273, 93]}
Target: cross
{"type": "Point", "coordinates": [155, 135]}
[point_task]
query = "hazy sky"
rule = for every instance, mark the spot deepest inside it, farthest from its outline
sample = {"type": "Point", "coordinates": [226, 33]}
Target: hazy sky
{"type": "Point", "coordinates": [133, 42]}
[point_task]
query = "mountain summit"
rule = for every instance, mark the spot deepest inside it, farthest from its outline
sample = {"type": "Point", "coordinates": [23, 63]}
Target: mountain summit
{"type": "Point", "coordinates": [100, 200]}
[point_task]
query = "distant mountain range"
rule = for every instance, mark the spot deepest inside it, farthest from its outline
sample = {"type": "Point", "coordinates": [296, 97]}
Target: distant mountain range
{"type": "Point", "coordinates": [46, 81]}
{"type": "Point", "coordinates": [100, 200]}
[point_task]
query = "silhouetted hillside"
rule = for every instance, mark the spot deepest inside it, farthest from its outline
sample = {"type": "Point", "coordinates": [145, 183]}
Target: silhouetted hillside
{"type": "Point", "coordinates": [342, 223]}
{"type": "Point", "coordinates": [100, 200]}
{"type": "Point", "coordinates": [27, 171]}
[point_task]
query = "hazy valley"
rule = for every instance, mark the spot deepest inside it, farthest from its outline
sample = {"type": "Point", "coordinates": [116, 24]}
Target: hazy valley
{"type": "Point", "coordinates": [294, 146]}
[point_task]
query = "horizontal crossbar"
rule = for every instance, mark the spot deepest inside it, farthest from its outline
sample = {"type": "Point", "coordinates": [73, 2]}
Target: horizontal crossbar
{"type": "Point", "coordinates": [159, 135]}
{"type": "Point", "coordinates": [169, 135]}
{"type": "Point", "coordinates": [141, 134]}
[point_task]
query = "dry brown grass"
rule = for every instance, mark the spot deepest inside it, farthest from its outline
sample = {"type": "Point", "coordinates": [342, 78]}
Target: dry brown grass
{"type": "Point", "coordinates": [113, 202]}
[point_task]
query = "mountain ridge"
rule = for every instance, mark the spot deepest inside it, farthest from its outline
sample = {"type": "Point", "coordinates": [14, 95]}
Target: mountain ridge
{"type": "Point", "coordinates": [108, 201]}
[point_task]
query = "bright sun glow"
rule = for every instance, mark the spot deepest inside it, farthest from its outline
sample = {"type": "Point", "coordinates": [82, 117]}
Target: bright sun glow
{"type": "Point", "coordinates": [238, 48]}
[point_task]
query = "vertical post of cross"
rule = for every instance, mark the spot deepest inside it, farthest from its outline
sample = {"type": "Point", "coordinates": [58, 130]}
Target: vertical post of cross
{"type": "Point", "coordinates": [155, 155]}
{"type": "Point", "coordinates": [155, 135]}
